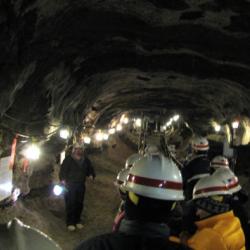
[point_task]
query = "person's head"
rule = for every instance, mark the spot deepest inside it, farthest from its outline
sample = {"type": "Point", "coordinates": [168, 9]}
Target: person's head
{"type": "Point", "coordinates": [219, 161]}
{"type": "Point", "coordinates": [200, 145]}
{"type": "Point", "coordinates": [210, 195]}
{"type": "Point", "coordinates": [227, 176]}
{"type": "Point", "coordinates": [154, 184]}
{"type": "Point", "coordinates": [16, 235]}
{"type": "Point", "coordinates": [120, 179]}
{"type": "Point", "coordinates": [132, 159]}
{"type": "Point", "coordinates": [78, 151]}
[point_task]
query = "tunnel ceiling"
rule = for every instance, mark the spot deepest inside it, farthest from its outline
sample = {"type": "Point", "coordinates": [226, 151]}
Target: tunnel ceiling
{"type": "Point", "coordinates": [68, 60]}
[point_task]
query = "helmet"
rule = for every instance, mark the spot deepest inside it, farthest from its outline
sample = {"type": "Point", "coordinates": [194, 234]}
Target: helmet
{"type": "Point", "coordinates": [155, 176]}
{"type": "Point", "coordinates": [229, 178]}
{"type": "Point", "coordinates": [200, 144]}
{"type": "Point", "coordinates": [16, 235]}
{"type": "Point", "coordinates": [151, 149]}
{"type": "Point", "coordinates": [219, 162]}
{"type": "Point", "coordinates": [131, 160]}
{"type": "Point", "coordinates": [122, 176]}
{"type": "Point", "coordinates": [210, 186]}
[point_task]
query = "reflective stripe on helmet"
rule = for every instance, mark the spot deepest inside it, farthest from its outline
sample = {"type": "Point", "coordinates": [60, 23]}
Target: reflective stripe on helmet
{"type": "Point", "coordinates": [154, 182]}
{"type": "Point", "coordinates": [201, 145]}
{"type": "Point", "coordinates": [233, 183]}
{"type": "Point", "coordinates": [211, 189]}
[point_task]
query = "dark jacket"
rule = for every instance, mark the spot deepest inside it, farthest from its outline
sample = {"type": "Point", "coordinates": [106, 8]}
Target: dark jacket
{"type": "Point", "coordinates": [195, 169]}
{"type": "Point", "coordinates": [75, 171]}
{"type": "Point", "coordinates": [133, 235]}
{"type": "Point", "coordinates": [237, 204]}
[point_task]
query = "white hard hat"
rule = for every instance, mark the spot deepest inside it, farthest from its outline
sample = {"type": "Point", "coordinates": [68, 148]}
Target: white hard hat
{"type": "Point", "coordinates": [219, 161]}
{"type": "Point", "coordinates": [122, 176]}
{"type": "Point", "coordinates": [229, 178]}
{"type": "Point", "coordinates": [210, 186]}
{"type": "Point", "coordinates": [132, 159]}
{"type": "Point", "coordinates": [16, 235]}
{"type": "Point", "coordinates": [151, 149]}
{"type": "Point", "coordinates": [200, 144]}
{"type": "Point", "coordinates": [157, 177]}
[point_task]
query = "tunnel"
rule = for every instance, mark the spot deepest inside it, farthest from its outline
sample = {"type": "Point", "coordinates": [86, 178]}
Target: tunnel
{"type": "Point", "coordinates": [117, 76]}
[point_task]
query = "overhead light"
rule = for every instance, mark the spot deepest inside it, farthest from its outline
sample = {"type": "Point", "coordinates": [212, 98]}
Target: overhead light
{"type": "Point", "coordinates": [176, 117]}
{"type": "Point", "coordinates": [217, 127]}
{"type": "Point", "coordinates": [64, 133]}
{"type": "Point", "coordinates": [86, 139]}
{"type": "Point", "coordinates": [125, 120]}
{"type": "Point", "coordinates": [32, 152]}
{"type": "Point", "coordinates": [111, 131]}
{"type": "Point", "coordinates": [138, 122]}
{"type": "Point", "coordinates": [99, 136]}
{"type": "Point", "coordinates": [118, 127]}
{"type": "Point", "coordinates": [235, 124]}
{"type": "Point", "coordinates": [105, 136]}
{"type": "Point", "coordinates": [169, 123]}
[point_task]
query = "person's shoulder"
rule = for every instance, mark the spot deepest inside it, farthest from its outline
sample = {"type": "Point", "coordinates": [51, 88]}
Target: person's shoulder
{"type": "Point", "coordinates": [95, 243]}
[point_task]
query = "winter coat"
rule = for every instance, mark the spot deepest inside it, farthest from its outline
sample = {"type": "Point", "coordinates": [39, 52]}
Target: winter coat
{"type": "Point", "coordinates": [220, 232]}
{"type": "Point", "coordinates": [133, 235]}
{"type": "Point", "coordinates": [76, 171]}
{"type": "Point", "coordinates": [198, 167]}
{"type": "Point", "coordinates": [237, 205]}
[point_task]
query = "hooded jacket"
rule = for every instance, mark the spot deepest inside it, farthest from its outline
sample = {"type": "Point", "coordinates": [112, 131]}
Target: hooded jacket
{"type": "Point", "coordinates": [220, 232]}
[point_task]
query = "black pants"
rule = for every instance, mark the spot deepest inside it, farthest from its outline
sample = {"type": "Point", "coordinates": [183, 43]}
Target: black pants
{"type": "Point", "coordinates": [74, 198]}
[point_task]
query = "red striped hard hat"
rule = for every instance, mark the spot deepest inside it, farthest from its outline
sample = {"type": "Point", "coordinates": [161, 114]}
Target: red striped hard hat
{"type": "Point", "coordinates": [229, 178]}
{"type": "Point", "coordinates": [219, 161]}
{"type": "Point", "coordinates": [200, 144]}
{"type": "Point", "coordinates": [157, 177]}
{"type": "Point", "coordinates": [210, 186]}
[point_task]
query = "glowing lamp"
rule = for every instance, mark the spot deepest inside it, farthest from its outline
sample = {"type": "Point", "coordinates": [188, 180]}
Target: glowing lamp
{"type": "Point", "coordinates": [138, 122]}
{"type": "Point", "coordinates": [99, 136]}
{"type": "Point", "coordinates": [235, 124]}
{"type": "Point", "coordinates": [32, 152]}
{"type": "Point", "coordinates": [176, 117]}
{"type": "Point", "coordinates": [57, 190]}
{"type": "Point", "coordinates": [105, 136]}
{"type": "Point", "coordinates": [111, 131]}
{"type": "Point", "coordinates": [64, 133]}
{"type": "Point", "coordinates": [118, 127]}
{"type": "Point", "coordinates": [217, 128]}
{"type": "Point", "coordinates": [86, 139]}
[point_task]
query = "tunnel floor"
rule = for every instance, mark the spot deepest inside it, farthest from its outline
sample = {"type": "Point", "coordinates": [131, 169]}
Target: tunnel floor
{"type": "Point", "coordinates": [44, 211]}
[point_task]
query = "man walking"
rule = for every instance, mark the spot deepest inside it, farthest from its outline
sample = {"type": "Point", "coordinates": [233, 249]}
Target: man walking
{"type": "Point", "coordinates": [74, 170]}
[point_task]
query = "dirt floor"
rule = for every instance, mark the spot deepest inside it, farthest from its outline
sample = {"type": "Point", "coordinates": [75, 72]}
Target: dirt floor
{"type": "Point", "coordinates": [44, 211]}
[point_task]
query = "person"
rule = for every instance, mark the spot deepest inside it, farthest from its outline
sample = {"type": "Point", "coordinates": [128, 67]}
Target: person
{"type": "Point", "coordinates": [120, 180]}
{"type": "Point", "coordinates": [217, 227]}
{"type": "Point", "coordinates": [16, 235]}
{"type": "Point", "coordinates": [153, 186]}
{"type": "Point", "coordinates": [217, 162]}
{"type": "Point", "coordinates": [73, 172]}
{"type": "Point", "coordinates": [198, 167]}
{"type": "Point", "coordinates": [237, 200]}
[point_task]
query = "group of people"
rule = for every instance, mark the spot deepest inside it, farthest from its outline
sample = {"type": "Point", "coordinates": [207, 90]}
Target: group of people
{"type": "Point", "coordinates": [206, 195]}
{"type": "Point", "coordinates": [164, 206]}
